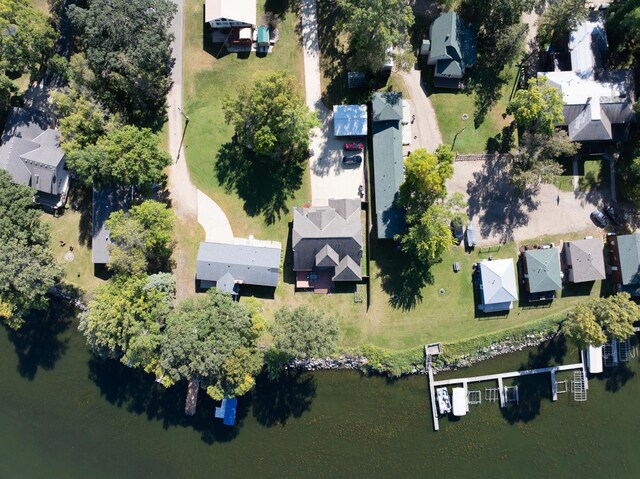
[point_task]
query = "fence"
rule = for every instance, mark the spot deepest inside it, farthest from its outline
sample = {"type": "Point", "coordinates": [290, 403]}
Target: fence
{"type": "Point", "coordinates": [484, 157]}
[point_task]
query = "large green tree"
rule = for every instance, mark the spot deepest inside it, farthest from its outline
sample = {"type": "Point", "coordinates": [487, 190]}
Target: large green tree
{"type": "Point", "coordinates": [27, 267]}
{"type": "Point", "coordinates": [126, 156]}
{"type": "Point", "coordinates": [128, 46]}
{"type": "Point", "coordinates": [126, 318]}
{"type": "Point", "coordinates": [558, 19]}
{"type": "Point", "coordinates": [601, 319]}
{"type": "Point", "coordinates": [537, 108]}
{"type": "Point", "coordinates": [623, 32]}
{"type": "Point", "coordinates": [212, 339]}
{"type": "Point", "coordinates": [373, 28]}
{"type": "Point", "coordinates": [140, 239]}
{"type": "Point", "coordinates": [26, 41]}
{"type": "Point", "coordinates": [271, 117]}
{"type": "Point", "coordinates": [304, 333]}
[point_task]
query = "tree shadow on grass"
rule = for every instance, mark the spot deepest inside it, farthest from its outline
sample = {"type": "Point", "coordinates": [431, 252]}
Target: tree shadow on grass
{"type": "Point", "coordinates": [137, 392]}
{"type": "Point", "coordinates": [290, 395]}
{"type": "Point", "coordinates": [264, 185]}
{"type": "Point", "coordinates": [533, 389]}
{"type": "Point", "coordinates": [402, 278]}
{"type": "Point", "coordinates": [500, 208]}
{"type": "Point", "coordinates": [38, 343]}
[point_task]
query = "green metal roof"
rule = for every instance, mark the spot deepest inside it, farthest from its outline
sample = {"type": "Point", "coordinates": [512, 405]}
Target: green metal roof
{"type": "Point", "coordinates": [387, 162]}
{"type": "Point", "coordinates": [629, 255]}
{"type": "Point", "coordinates": [543, 270]}
{"type": "Point", "coordinates": [263, 34]}
{"type": "Point", "coordinates": [451, 37]}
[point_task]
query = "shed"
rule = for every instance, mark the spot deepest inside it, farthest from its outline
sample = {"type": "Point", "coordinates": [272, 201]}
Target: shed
{"type": "Point", "coordinates": [230, 13]}
{"type": "Point", "coordinates": [105, 201]}
{"type": "Point", "coordinates": [263, 36]}
{"type": "Point", "coordinates": [459, 402]}
{"type": "Point", "coordinates": [350, 120]}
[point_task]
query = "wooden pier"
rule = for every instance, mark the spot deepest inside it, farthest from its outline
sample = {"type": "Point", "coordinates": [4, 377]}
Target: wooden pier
{"type": "Point", "coordinates": [500, 377]}
{"type": "Point", "coordinates": [192, 397]}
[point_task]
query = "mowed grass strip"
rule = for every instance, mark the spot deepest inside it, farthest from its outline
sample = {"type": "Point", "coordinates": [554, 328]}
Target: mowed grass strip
{"type": "Point", "coordinates": [207, 81]}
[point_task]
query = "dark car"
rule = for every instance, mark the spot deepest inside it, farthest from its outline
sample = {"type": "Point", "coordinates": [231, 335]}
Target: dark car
{"type": "Point", "coordinates": [457, 229]}
{"type": "Point", "coordinates": [353, 146]}
{"type": "Point", "coordinates": [599, 219]}
{"type": "Point", "coordinates": [615, 215]}
{"type": "Point", "coordinates": [352, 160]}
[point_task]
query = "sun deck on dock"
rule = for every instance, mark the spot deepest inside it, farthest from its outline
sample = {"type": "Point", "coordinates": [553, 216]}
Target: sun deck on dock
{"type": "Point", "coordinates": [192, 397]}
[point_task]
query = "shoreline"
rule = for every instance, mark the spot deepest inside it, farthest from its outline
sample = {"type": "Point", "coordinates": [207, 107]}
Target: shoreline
{"type": "Point", "coordinates": [361, 363]}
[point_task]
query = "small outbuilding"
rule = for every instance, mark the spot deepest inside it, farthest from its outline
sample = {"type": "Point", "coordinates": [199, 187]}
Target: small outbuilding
{"type": "Point", "coordinates": [225, 14]}
{"type": "Point", "coordinates": [350, 120]}
{"type": "Point", "coordinates": [105, 201]}
{"type": "Point", "coordinates": [498, 287]}
{"type": "Point", "coordinates": [263, 36]}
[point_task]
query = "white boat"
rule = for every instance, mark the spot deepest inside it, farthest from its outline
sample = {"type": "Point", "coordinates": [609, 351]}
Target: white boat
{"type": "Point", "coordinates": [444, 402]}
{"type": "Point", "coordinates": [459, 402]}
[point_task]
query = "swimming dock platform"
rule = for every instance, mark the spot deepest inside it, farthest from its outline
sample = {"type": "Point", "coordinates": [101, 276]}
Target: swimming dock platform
{"type": "Point", "coordinates": [192, 397]}
{"type": "Point", "coordinates": [510, 394]}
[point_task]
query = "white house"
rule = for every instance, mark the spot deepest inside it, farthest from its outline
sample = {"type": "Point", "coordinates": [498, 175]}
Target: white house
{"type": "Point", "coordinates": [498, 285]}
{"type": "Point", "coordinates": [230, 13]}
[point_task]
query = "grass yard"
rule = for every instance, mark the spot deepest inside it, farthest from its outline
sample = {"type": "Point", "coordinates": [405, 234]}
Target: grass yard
{"type": "Point", "coordinates": [74, 228]}
{"type": "Point", "coordinates": [258, 210]}
{"type": "Point", "coordinates": [593, 173]}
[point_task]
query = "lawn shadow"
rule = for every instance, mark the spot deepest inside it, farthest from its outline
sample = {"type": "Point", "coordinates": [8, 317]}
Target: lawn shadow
{"type": "Point", "coordinates": [533, 389]}
{"type": "Point", "coordinates": [402, 278]}
{"type": "Point", "coordinates": [493, 199]}
{"type": "Point", "coordinates": [38, 344]}
{"type": "Point", "coordinates": [264, 185]}
{"type": "Point", "coordinates": [288, 396]}
{"type": "Point", "coordinates": [81, 200]}
{"type": "Point", "coordinates": [138, 393]}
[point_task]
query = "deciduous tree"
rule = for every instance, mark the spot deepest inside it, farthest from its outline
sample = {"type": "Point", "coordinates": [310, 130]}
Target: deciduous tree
{"type": "Point", "coordinates": [428, 236]}
{"type": "Point", "coordinates": [558, 19]}
{"type": "Point", "coordinates": [304, 333]}
{"type": "Point", "coordinates": [623, 32]}
{"type": "Point", "coordinates": [271, 118]}
{"type": "Point", "coordinates": [27, 267]}
{"type": "Point", "coordinates": [374, 27]}
{"type": "Point", "coordinates": [538, 108]}
{"type": "Point", "coordinates": [212, 339]}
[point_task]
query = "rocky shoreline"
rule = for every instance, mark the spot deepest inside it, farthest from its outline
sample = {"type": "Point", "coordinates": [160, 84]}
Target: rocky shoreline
{"type": "Point", "coordinates": [361, 363]}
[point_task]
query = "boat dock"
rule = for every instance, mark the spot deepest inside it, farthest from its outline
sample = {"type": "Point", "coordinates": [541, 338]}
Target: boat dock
{"type": "Point", "coordinates": [509, 394]}
{"type": "Point", "coordinates": [192, 397]}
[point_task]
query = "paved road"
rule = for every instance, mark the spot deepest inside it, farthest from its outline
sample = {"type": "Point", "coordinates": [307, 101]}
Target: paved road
{"type": "Point", "coordinates": [328, 178]}
{"type": "Point", "coordinates": [425, 126]}
{"type": "Point", "coordinates": [184, 195]}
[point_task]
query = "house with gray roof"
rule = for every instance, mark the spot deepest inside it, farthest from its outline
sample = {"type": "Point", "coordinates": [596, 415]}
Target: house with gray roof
{"type": "Point", "coordinates": [388, 165]}
{"type": "Point", "coordinates": [227, 266]}
{"type": "Point", "coordinates": [105, 201]}
{"type": "Point", "coordinates": [598, 102]}
{"type": "Point", "coordinates": [451, 48]}
{"type": "Point", "coordinates": [498, 286]}
{"type": "Point", "coordinates": [584, 260]}
{"type": "Point", "coordinates": [541, 270]}
{"type": "Point", "coordinates": [30, 151]}
{"type": "Point", "coordinates": [625, 262]}
{"type": "Point", "coordinates": [327, 244]}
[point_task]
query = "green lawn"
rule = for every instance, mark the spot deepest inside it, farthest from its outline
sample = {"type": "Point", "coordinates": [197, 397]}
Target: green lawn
{"type": "Point", "coordinates": [593, 173]}
{"type": "Point", "coordinates": [257, 210]}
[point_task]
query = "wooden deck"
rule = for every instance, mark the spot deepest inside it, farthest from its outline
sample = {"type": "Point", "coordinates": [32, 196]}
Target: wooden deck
{"type": "Point", "coordinates": [192, 397]}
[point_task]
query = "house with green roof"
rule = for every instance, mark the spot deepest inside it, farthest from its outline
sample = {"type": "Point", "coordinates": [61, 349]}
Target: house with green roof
{"type": "Point", "coordinates": [451, 48]}
{"type": "Point", "coordinates": [541, 271]}
{"type": "Point", "coordinates": [625, 262]}
{"type": "Point", "coordinates": [388, 166]}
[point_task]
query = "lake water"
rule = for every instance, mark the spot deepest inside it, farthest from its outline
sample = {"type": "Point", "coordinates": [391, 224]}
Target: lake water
{"type": "Point", "coordinates": [66, 415]}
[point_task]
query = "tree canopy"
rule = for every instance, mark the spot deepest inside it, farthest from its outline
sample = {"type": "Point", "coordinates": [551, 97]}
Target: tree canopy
{"type": "Point", "coordinates": [601, 319]}
{"type": "Point", "coordinates": [623, 32]}
{"type": "Point", "coordinates": [27, 267]}
{"type": "Point", "coordinates": [271, 117]}
{"type": "Point", "coordinates": [538, 108]}
{"type": "Point", "coordinates": [140, 238]}
{"type": "Point", "coordinates": [126, 156]}
{"type": "Point", "coordinates": [304, 333]}
{"type": "Point", "coordinates": [26, 41]}
{"type": "Point", "coordinates": [212, 339]}
{"type": "Point", "coordinates": [558, 19]}
{"type": "Point", "coordinates": [374, 27]}
{"type": "Point", "coordinates": [126, 317]}
{"type": "Point", "coordinates": [128, 47]}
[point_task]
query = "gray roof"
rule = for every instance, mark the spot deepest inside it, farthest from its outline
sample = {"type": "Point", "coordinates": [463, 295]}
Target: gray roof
{"type": "Point", "coordinates": [585, 259]}
{"type": "Point", "coordinates": [388, 166]}
{"type": "Point", "coordinates": [323, 236]}
{"type": "Point", "coordinates": [31, 152]}
{"type": "Point", "coordinates": [451, 37]}
{"type": "Point", "coordinates": [347, 270]}
{"type": "Point", "coordinates": [629, 255]}
{"type": "Point", "coordinates": [105, 202]}
{"type": "Point", "coordinates": [230, 264]}
{"type": "Point", "coordinates": [543, 270]}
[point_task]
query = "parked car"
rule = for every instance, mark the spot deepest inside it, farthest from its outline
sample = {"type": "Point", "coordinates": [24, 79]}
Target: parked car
{"type": "Point", "coordinates": [599, 219]}
{"type": "Point", "coordinates": [457, 228]}
{"type": "Point", "coordinates": [352, 160]}
{"type": "Point", "coordinates": [353, 146]}
{"type": "Point", "coordinates": [616, 216]}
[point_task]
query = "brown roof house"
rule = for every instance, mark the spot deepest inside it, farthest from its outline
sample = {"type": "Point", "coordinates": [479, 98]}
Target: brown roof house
{"type": "Point", "coordinates": [585, 260]}
{"type": "Point", "coordinates": [327, 244]}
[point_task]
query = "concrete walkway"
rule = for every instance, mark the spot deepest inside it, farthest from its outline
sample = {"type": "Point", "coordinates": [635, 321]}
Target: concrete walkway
{"type": "Point", "coordinates": [186, 200]}
{"type": "Point", "coordinates": [426, 123]}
